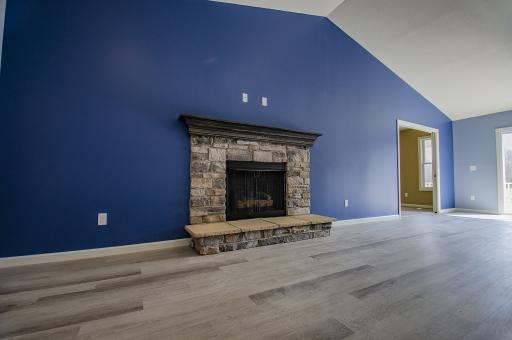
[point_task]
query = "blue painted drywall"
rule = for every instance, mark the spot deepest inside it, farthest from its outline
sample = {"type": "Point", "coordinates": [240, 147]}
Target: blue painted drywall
{"type": "Point", "coordinates": [91, 92]}
{"type": "Point", "coordinates": [474, 143]}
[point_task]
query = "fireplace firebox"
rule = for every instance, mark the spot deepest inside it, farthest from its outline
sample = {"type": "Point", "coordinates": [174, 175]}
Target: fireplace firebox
{"type": "Point", "coordinates": [255, 189]}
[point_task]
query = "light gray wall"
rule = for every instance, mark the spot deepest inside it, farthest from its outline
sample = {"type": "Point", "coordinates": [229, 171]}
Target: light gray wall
{"type": "Point", "coordinates": [474, 143]}
{"type": "Point", "coordinates": [2, 20]}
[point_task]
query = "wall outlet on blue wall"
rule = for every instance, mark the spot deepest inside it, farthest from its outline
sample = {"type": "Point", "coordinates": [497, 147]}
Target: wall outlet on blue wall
{"type": "Point", "coordinates": [102, 219]}
{"type": "Point", "coordinates": [245, 97]}
{"type": "Point", "coordinates": [346, 203]}
{"type": "Point", "coordinates": [264, 101]}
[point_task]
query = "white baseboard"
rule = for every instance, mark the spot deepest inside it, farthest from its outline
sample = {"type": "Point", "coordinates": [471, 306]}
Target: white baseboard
{"type": "Point", "coordinates": [15, 261]}
{"type": "Point", "coordinates": [423, 206]}
{"type": "Point", "coordinates": [473, 211]}
{"type": "Point", "coordinates": [340, 223]}
{"type": "Point", "coordinates": [476, 211]}
{"type": "Point", "coordinates": [447, 211]}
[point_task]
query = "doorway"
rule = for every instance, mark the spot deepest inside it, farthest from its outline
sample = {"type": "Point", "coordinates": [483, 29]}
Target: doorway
{"type": "Point", "coordinates": [504, 157]}
{"type": "Point", "coordinates": [418, 169]}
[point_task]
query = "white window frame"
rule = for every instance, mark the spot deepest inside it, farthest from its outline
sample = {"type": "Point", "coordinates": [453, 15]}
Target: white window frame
{"type": "Point", "coordinates": [421, 163]}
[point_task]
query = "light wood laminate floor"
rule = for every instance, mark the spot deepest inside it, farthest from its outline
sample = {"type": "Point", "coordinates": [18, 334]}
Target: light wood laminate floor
{"type": "Point", "coordinates": [421, 277]}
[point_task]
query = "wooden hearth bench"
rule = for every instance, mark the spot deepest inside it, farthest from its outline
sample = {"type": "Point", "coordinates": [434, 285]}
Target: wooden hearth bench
{"type": "Point", "coordinates": [214, 238]}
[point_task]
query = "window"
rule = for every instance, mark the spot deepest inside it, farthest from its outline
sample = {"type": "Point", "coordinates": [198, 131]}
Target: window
{"type": "Point", "coordinates": [425, 160]}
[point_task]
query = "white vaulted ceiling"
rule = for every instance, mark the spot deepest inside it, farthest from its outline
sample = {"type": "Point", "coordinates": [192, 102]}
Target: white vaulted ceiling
{"type": "Point", "coordinates": [456, 53]}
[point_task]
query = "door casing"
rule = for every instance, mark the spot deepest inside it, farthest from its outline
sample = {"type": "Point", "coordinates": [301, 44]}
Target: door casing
{"type": "Point", "coordinates": [499, 167]}
{"type": "Point", "coordinates": [436, 190]}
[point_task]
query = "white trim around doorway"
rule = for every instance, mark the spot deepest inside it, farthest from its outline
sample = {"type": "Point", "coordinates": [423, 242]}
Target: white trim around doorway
{"type": "Point", "coordinates": [499, 167]}
{"type": "Point", "coordinates": [436, 192]}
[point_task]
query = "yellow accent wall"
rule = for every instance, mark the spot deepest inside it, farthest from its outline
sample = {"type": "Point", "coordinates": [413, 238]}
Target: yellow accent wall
{"type": "Point", "coordinates": [409, 169]}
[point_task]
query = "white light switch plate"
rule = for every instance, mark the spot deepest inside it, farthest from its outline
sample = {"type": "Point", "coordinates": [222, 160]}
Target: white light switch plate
{"type": "Point", "coordinates": [406, 194]}
{"type": "Point", "coordinates": [264, 101]}
{"type": "Point", "coordinates": [245, 97]}
{"type": "Point", "coordinates": [102, 219]}
{"type": "Point", "coordinates": [472, 168]}
{"type": "Point", "coordinates": [346, 203]}
{"type": "Point", "coordinates": [472, 197]}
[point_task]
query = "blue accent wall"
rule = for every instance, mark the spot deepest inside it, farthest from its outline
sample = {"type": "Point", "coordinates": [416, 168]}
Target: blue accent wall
{"type": "Point", "coordinates": [474, 142]}
{"type": "Point", "coordinates": [90, 93]}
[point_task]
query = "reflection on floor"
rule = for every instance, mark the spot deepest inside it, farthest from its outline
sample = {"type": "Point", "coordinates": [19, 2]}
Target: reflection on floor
{"type": "Point", "coordinates": [483, 216]}
{"type": "Point", "coordinates": [406, 211]}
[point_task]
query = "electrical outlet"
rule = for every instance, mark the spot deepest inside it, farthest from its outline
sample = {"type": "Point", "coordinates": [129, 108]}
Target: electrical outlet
{"type": "Point", "coordinates": [346, 203]}
{"type": "Point", "coordinates": [102, 219]}
{"type": "Point", "coordinates": [472, 197]}
{"type": "Point", "coordinates": [472, 168]}
{"type": "Point", "coordinates": [406, 194]}
{"type": "Point", "coordinates": [264, 101]}
{"type": "Point", "coordinates": [245, 97]}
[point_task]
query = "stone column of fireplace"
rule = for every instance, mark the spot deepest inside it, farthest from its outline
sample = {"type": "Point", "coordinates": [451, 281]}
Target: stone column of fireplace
{"type": "Point", "coordinates": [213, 142]}
{"type": "Point", "coordinates": [208, 173]}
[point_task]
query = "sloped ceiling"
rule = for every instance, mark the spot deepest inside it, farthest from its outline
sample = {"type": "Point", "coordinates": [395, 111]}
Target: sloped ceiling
{"type": "Point", "coordinates": [313, 7]}
{"type": "Point", "coordinates": [456, 53]}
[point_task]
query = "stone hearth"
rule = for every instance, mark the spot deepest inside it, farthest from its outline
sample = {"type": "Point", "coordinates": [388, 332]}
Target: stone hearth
{"type": "Point", "coordinates": [214, 238]}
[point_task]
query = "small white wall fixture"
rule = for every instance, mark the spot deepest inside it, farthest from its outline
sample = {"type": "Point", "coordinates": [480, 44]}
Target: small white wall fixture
{"type": "Point", "coordinates": [436, 190]}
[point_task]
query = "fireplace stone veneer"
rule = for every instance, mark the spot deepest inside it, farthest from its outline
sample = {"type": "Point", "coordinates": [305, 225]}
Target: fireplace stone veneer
{"type": "Point", "coordinates": [208, 174]}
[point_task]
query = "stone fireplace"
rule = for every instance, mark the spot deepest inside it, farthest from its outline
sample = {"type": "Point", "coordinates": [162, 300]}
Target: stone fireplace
{"type": "Point", "coordinates": [215, 144]}
{"type": "Point", "coordinates": [249, 186]}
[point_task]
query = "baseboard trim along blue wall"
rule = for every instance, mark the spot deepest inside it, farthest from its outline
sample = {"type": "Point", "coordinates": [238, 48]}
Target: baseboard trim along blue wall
{"type": "Point", "coordinates": [474, 142]}
{"type": "Point", "coordinates": [91, 92]}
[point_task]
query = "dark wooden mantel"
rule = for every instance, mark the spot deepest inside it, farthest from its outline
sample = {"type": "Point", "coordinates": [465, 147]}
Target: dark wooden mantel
{"type": "Point", "coordinates": [224, 128]}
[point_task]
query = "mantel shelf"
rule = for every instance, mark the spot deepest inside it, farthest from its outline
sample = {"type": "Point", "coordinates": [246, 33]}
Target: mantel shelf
{"type": "Point", "coordinates": [224, 128]}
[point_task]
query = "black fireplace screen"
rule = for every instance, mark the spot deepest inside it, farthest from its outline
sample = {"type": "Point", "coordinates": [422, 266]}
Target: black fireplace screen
{"type": "Point", "coordinates": [255, 189]}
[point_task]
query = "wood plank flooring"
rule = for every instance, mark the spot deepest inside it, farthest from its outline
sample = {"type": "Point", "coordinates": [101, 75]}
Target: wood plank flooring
{"type": "Point", "coordinates": [424, 276]}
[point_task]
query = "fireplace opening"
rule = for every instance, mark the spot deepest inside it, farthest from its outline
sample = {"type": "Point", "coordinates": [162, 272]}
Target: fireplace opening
{"type": "Point", "coordinates": [255, 189]}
